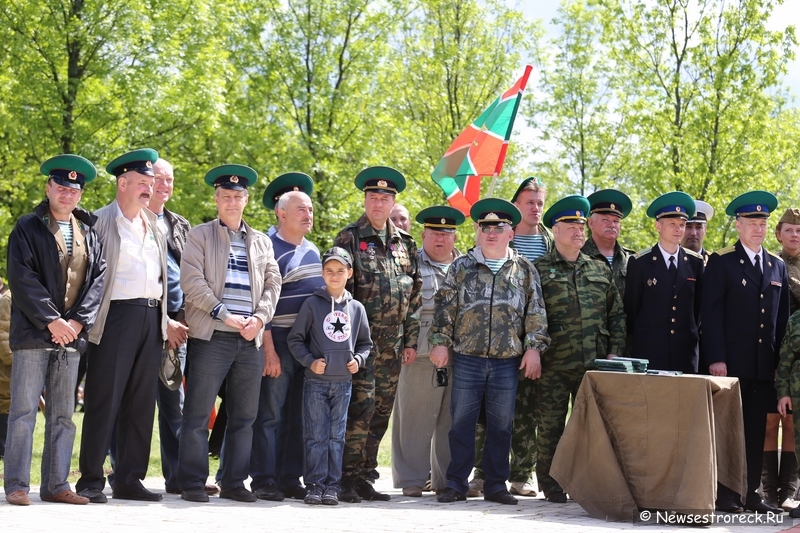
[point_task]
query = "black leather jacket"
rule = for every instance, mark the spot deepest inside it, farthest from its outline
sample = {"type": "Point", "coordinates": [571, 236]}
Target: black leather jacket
{"type": "Point", "coordinates": [37, 284]}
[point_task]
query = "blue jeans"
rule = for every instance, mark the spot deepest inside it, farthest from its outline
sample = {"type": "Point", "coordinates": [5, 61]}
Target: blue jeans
{"type": "Point", "coordinates": [273, 433]}
{"type": "Point", "coordinates": [170, 413]}
{"type": "Point", "coordinates": [33, 371]}
{"type": "Point", "coordinates": [226, 356]}
{"type": "Point", "coordinates": [476, 381]}
{"type": "Point", "coordinates": [324, 421]}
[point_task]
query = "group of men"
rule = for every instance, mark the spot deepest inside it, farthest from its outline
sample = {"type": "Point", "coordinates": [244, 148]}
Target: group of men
{"type": "Point", "coordinates": [482, 351]}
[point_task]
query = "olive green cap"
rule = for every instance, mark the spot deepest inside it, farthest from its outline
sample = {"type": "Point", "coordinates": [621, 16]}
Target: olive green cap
{"type": "Point", "coordinates": [441, 218]}
{"type": "Point", "coordinates": [69, 170]}
{"type": "Point", "coordinates": [753, 204]}
{"type": "Point", "coordinates": [495, 211]}
{"type": "Point", "coordinates": [610, 201]}
{"type": "Point", "coordinates": [674, 204]}
{"type": "Point", "coordinates": [141, 161]}
{"type": "Point", "coordinates": [381, 179]}
{"type": "Point", "coordinates": [572, 208]}
{"type": "Point", "coordinates": [233, 177]}
{"type": "Point", "coordinates": [291, 181]}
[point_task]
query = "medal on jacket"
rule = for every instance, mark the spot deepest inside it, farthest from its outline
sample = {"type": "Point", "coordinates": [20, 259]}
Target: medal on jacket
{"type": "Point", "coordinates": [371, 250]}
{"type": "Point", "coordinates": [552, 273]}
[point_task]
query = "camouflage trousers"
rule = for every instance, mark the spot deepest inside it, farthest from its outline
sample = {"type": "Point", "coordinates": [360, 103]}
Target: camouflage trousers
{"type": "Point", "coordinates": [371, 403]}
{"type": "Point", "coordinates": [552, 404]}
{"type": "Point", "coordinates": [523, 438]}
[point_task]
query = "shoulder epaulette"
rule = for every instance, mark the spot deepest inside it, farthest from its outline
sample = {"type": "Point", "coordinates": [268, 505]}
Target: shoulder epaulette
{"type": "Point", "coordinates": [646, 251]}
{"type": "Point", "coordinates": [724, 251]}
{"type": "Point", "coordinates": [776, 256]}
{"type": "Point", "coordinates": [692, 253]}
{"type": "Point", "coordinates": [627, 250]}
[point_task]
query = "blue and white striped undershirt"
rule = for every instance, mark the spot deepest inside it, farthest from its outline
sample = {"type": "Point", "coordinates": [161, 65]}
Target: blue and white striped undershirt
{"type": "Point", "coordinates": [531, 247]}
{"type": "Point", "coordinates": [610, 259]}
{"type": "Point", "coordinates": [495, 264]}
{"type": "Point", "coordinates": [236, 296]}
{"type": "Point", "coordinates": [66, 232]}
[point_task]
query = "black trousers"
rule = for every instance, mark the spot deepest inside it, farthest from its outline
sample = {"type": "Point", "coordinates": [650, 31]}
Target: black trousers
{"type": "Point", "coordinates": [121, 384]}
{"type": "Point", "coordinates": [757, 398]}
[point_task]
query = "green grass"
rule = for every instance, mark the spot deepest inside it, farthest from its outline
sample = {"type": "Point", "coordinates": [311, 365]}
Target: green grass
{"type": "Point", "coordinates": [154, 468]}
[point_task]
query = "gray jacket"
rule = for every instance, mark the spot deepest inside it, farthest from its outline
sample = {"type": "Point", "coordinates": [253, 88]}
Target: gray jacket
{"type": "Point", "coordinates": [336, 331]}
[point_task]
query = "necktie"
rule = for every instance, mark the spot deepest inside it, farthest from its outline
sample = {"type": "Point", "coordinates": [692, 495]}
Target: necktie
{"type": "Point", "coordinates": [673, 270]}
{"type": "Point", "coordinates": [759, 272]}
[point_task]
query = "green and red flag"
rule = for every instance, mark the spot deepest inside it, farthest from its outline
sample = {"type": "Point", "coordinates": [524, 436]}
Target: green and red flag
{"type": "Point", "coordinates": [480, 150]}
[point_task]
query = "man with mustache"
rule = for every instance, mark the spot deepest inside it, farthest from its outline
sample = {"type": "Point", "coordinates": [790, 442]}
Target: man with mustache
{"type": "Point", "coordinates": [608, 207]}
{"type": "Point", "coordinates": [126, 341]}
{"type": "Point", "coordinates": [696, 229]}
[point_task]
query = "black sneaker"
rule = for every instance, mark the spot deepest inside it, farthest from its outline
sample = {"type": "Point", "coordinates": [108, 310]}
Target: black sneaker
{"type": "Point", "coordinates": [330, 496]}
{"type": "Point", "coordinates": [501, 496]}
{"type": "Point", "coordinates": [556, 497]}
{"type": "Point", "coordinates": [297, 492]}
{"type": "Point", "coordinates": [368, 492]}
{"type": "Point", "coordinates": [239, 494]}
{"type": "Point", "coordinates": [314, 495]}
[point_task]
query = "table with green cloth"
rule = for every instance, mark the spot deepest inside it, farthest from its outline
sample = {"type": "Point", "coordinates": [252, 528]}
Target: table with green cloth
{"type": "Point", "coordinates": [641, 441]}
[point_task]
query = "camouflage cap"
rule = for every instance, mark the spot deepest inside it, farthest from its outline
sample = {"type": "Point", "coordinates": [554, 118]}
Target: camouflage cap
{"type": "Point", "coordinates": [338, 254]}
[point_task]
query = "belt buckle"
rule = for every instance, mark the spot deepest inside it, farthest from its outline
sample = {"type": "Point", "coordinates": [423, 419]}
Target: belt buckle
{"type": "Point", "coordinates": [152, 302]}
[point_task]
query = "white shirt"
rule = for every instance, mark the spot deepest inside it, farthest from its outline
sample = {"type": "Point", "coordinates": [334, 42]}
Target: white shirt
{"type": "Point", "coordinates": [139, 263]}
{"type": "Point", "coordinates": [752, 255]}
{"type": "Point", "coordinates": [667, 255]}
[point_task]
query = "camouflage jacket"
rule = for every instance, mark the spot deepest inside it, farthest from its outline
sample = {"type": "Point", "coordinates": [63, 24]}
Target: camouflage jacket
{"type": "Point", "coordinates": [386, 279]}
{"type": "Point", "coordinates": [490, 315]}
{"type": "Point", "coordinates": [788, 378]}
{"type": "Point", "coordinates": [585, 316]}
{"type": "Point", "coordinates": [619, 266]}
{"type": "Point", "coordinates": [793, 271]}
{"type": "Point", "coordinates": [432, 277]}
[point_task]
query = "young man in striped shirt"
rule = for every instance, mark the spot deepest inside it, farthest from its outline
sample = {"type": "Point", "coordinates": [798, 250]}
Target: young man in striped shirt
{"type": "Point", "coordinates": [231, 283]}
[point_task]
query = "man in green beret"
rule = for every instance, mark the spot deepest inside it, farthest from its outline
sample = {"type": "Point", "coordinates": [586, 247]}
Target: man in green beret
{"type": "Point", "coordinates": [585, 322]}
{"type": "Point", "coordinates": [422, 413]}
{"type": "Point", "coordinates": [123, 360]}
{"type": "Point", "coordinates": [56, 273]}
{"type": "Point", "coordinates": [231, 283]}
{"type": "Point", "coordinates": [276, 460]}
{"type": "Point", "coordinates": [745, 309]}
{"type": "Point", "coordinates": [608, 207]}
{"type": "Point", "coordinates": [490, 312]}
{"type": "Point", "coordinates": [387, 281]}
{"type": "Point", "coordinates": [662, 294]}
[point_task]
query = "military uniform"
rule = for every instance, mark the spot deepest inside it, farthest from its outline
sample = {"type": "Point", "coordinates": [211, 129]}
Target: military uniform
{"type": "Point", "coordinates": [663, 307]}
{"type": "Point", "coordinates": [386, 280]}
{"type": "Point", "coordinates": [788, 377]}
{"type": "Point", "coordinates": [585, 322]}
{"type": "Point", "coordinates": [744, 312]}
{"type": "Point", "coordinates": [619, 265]}
{"type": "Point", "coordinates": [793, 272]}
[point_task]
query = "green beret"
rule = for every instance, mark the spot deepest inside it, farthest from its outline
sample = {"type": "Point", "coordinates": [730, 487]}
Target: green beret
{"type": "Point", "coordinates": [572, 208]}
{"type": "Point", "coordinates": [69, 170]}
{"type": "Point", "coordinates": [610, 201]}
{"type": "Point", "coordinates": [675, 204]}
{"type": "Point", "coordinates": [495, 211]}
{"type": "Point", "coordinates": [441, 218]}
{"type": "Point", "coordinates": [141, 161]}
{"type": "Point", "coordinates": [291, 181]}
{"type": "Point", "coordinates": [524, 184]}
{"type": "Point", "coordinates": [753, 204]}
{"type": "Point", "coordinates": [381, 179]}
{"type": "Point", "coordinates": [233, 177]}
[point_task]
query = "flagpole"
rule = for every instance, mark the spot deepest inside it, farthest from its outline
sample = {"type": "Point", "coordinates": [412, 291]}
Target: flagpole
{"type": "Point", "coordinates": [491, 185]}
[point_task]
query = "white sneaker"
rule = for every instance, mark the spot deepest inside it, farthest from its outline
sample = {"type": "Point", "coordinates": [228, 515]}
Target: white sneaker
{"type": "Point", "coordinates": [523, 489]}
{"type": "Point", "coordinates": [475, 487]}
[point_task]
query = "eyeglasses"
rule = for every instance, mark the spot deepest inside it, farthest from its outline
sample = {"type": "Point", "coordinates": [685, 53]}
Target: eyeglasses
{"type": "Point", "coordinates": [497, 230]}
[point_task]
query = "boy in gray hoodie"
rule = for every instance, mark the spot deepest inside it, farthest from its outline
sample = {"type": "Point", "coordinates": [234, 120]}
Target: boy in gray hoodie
{"type": "Point", "coordinates": [330, 337]}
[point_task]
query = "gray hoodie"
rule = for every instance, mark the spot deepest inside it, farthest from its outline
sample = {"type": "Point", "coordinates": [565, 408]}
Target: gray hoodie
{"type": "Point", "coordinates": [336, 331]}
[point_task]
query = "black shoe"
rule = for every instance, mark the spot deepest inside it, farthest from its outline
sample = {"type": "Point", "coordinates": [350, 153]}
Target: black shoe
{"type": "Point", "coordinates": [172, 490]}
{"type": "Point", "coordinates": [727, 507]}
{"type": "Point", "coordinates": [239, 494]}
{"type": "Point", "coordinates": [140, 494]}
{"type": "Point", "coordinates": [348, 493]}
{"type": "Point", "coordinates": [502, 496]}
{"type": "Point", "coordinates": [269, 492]}
{"type": "Point", "coordinates": [450, 495]}
{"type": "Point", "coordinates": [314, 495]}
{"type": "Point", "coordinates": [556, 497]}
{"type": "Point", "coordinates": [373, 476]}
{"type": "Point", "coordinates": [728, 501]}
{"type": "Point", "coordinates": [368, 492]}
{"type": "Point", "coordinates": [755, 505]}
{"type": "Point", "coordinates": [197, 494]}
{"type": "Point", "coordinates": [94, 495]}
{"type": "Point", "coordinates": [794, 513]}
{"type": "Point", "coordinates": [297, 492]}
